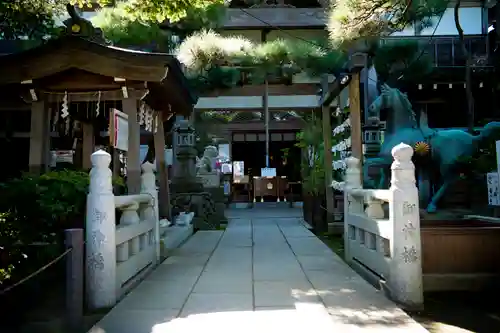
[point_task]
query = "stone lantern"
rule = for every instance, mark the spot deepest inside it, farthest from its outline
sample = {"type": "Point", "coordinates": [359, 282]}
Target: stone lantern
{"type": "Point", "coordinates": [184, 178]}
{"type": "Point", "coordinates": [372, 137]}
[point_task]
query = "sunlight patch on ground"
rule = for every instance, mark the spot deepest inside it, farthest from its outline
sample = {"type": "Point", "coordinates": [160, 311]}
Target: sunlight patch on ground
{"type": "Point", "coordinates": [444, 328]}
{"type": "Point", "coordinates": [289, 321]}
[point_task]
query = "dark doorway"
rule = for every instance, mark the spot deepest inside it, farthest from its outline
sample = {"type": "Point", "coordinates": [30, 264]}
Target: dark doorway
{"type": "Point", "coordinates": [253, 154]}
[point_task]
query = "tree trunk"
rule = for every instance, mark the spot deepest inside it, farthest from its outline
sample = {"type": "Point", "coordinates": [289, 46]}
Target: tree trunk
{"type": "Point", "coordinates": [468, 70]}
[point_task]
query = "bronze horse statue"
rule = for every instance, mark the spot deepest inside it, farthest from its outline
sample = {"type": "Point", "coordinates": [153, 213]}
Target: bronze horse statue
{"type": "Point", "coordinates": [446, 147]}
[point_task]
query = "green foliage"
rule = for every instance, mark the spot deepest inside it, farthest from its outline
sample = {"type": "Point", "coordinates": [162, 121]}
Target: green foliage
{"type": "Point", "coordinates": [124, 30]}
{"type": "Point", "coordinates": [127, 29]}
{"type": "Point", "coordinates": [158, 10]}
{"type": "Point", "coordinates": [353, 20]}
{"type": "Point", "coordinates": [401, 58]}
{"type": "Point", "coordinates": [37, 206]}
{"type": "Point", "coordinates": [310, 140]}
{"type": "Point", "coordinates": [36, 19]}
{"type": "Point", "coordinates": [171, 10]}
{"type": "Point", "coordinates": [32, 19]}
{"type": "Point", "coordinates": [196, 19]}
{"type": "Point", "coordinates": [36, 209]}
{"type": "Point", "coordinates": [215, 61]}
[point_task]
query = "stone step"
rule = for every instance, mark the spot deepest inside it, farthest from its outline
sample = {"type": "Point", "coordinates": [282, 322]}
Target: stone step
{"type": "Point", "coordinates": [172, 237]}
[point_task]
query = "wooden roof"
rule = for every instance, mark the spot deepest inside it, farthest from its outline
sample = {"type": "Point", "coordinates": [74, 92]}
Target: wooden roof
{"type": "Point", "coordinates": [160, 73]}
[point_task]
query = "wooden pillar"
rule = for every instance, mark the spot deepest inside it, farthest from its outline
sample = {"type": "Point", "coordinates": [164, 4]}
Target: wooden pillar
{"type": "Point", "coordinates": [88, 145]}
{"type": "Point", "coordinates": [328, 160]}
{"type": "Point", "coordinates": [162, 170]}
{"type": "Point", "coordinates": [39, 138]}
{"type": "Point", "coordinates": [355, 116]}
{"type": "Point", "coordinates": [134, 143]}
{"type": "Point", "coordinates": [115, 162]}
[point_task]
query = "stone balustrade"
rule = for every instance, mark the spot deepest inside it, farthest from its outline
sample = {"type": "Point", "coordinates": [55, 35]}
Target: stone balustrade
{"type": "Point", "coordinates": [386, 249]}
{"type": "Point", "coordinates": [119, 254]}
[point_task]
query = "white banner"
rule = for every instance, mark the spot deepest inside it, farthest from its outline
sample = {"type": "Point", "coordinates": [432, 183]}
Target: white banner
{"type": "Point", "coordinates": [118, 129]}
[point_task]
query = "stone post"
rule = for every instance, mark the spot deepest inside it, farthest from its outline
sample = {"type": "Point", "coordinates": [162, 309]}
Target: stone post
{"type": "Point", "coordinates": [352, 204]}
{"type": "Point", "coordinates": [74, 279]}
{"type": "Point", "coordinates": [405, 280]}
{"type": "Point", "coordinates": [148, 185]}
{"type": "Point", "coordinates": [100, 235]}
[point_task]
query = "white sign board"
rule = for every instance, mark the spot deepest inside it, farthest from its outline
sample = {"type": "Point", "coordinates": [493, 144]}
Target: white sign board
{"type": "Point", "coordinates": [118, 129]}
{"type": "Point", "coordinates": [238, 169]}
{"type": "Point", "coordinates": [226, 168]}
{"type": "Point", "coordinates": [493, 187]}
{"type": "Point", "coordinates": [224, 151]}
{"type": "Point", "coordinates": [62, 156]}
{"type": "Point", "coordinates": [169, 156]}
{"type": "Point", "coordinates": [268, 172]}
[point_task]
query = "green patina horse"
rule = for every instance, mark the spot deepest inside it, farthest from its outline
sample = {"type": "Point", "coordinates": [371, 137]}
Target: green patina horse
{"type": "Point", "coordinates": [446, 147]}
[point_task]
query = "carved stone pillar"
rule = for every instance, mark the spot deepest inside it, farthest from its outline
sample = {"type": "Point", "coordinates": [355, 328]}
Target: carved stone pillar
{"type": "Point", "coordinates": [100, 245]}
{"type": "Point", "coordinates": [405, 280]}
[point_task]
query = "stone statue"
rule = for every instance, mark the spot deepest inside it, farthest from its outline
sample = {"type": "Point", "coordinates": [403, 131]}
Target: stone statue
{"type": "Point", "coordinates": [207, 162]}
{"type": "Point", "coordinates": [445, 147]}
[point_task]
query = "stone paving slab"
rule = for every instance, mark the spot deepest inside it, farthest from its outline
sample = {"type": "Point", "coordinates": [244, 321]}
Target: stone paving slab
{"type": "Point", "coordinates": [265, 273]}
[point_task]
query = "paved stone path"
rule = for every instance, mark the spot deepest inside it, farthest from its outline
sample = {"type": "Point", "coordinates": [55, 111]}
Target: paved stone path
{"type": "Point", "coordinates": [265, 273]}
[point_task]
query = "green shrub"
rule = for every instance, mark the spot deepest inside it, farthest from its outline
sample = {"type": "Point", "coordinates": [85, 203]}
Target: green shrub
{"type": "Point", "coordinates": [36, 209]}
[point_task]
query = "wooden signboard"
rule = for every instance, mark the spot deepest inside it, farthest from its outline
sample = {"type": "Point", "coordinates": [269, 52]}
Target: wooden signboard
{"type": "Point", "coordinates": [118, 130]}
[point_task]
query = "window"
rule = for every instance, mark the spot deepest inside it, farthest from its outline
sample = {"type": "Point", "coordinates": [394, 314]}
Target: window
{"type": "Point", "coordinates": [471, 20]}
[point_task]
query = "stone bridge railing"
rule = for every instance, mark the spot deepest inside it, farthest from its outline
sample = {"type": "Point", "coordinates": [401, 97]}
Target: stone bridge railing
{"type": "Point", "coordinates": [386, 249]}
{"type": "Point", "coordinates": [119, 253]}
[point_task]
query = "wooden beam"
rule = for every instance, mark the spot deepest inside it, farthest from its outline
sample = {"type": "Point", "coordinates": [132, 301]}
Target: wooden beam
{"type": "Point", "coordinates": [341, 81]}
{"type": "Point", "coordinates": [285, 125]}
{"type": "Point", "coordinates": [355, 117]}
{"type": "Point", "coordinates": [258, 90]}
{"type": "Point", "coordinates": [110, 95]}
{"type": "Point", "coordinates": [328, 160]}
